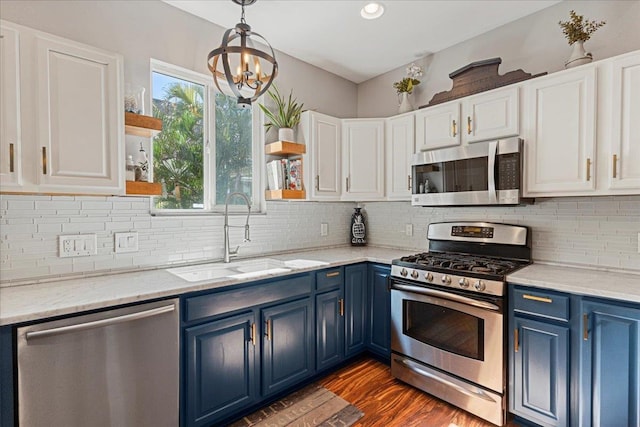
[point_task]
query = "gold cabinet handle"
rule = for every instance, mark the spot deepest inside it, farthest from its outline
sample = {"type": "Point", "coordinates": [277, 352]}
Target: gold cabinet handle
{"type": "Point", "coordinates": [341, 302]}
{"type": "Point", "coordinates": [11, 154]}
{"type": "Point", "coordinates": [317, 182]}
{"type": "Point", "coordinates": [268, 329]}
{"type": "Point", "coordinates": [539, 299]}
{"type": "Point", "coordinates": [253, 333]}
{"type": "Point", "coordinates": [44, 160]}
{"type": "Point", "coordinates": [333, 274]}
{"type": "Point", "coordinates": [469, 125]}
{"type": "Point", "coordinates": [409, 182]}
{"type": "Point", "coordinates": [585, 326]}
{"type": "Point", "coordinates": [588, 169]}
{"type": "Point", "coordinates": [454, 127]}
{"type": "Point", "coordinates": [516, 340]}
{"type": "Point", "coordinates": [615, 165]}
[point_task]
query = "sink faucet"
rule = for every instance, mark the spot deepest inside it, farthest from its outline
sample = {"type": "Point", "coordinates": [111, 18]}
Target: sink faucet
{"type": "Point", "coordinates": [227, 252]}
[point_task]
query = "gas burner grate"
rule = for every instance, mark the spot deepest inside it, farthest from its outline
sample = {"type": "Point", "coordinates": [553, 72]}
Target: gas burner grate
{"type": "Point", "coordinates": [463, 262]}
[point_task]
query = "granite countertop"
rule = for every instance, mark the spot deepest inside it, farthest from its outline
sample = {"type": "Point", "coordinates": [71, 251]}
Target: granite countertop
{"type": "Point", "coordinates": [37, 301]}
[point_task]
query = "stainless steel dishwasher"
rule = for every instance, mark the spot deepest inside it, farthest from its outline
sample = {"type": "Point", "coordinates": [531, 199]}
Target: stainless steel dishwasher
{"type": "Point", "coordinates": [113, 368]}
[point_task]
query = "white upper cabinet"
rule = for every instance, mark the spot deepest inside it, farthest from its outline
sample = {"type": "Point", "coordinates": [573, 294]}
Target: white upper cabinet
{"type": "Point", "coordinates": [71, 130]}
{"type": "Point", "coordinates": [399, 146]}
{"type": "Point", "coordinates": [560, 132]}
{"type": "Point", "coordinates": [363, 156]}
{"type": "Point", "coordinates": [624, 135]}
{"type": "Point", "coordinates": [10, 132]}
{"type": "Point", "coordinates": [438, 127]}
{"type": "Point", "coordinates": [491, 115]}
{"type": "Point", "coordinates": [322, 135]}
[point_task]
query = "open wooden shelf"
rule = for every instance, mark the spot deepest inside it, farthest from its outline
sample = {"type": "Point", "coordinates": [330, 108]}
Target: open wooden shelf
{"type": "Point", "coordinates": [144, 188]}
{"type": "Point", "coordinates": [284, 148]}
{"type": "Point", "coordinates": [139, 125]}
{"type": "Point", "coordinates": [284, 194]}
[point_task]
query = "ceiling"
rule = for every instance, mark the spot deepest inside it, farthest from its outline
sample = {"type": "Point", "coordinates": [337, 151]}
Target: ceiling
{"type": "Point", "coordinates": [332, 35]}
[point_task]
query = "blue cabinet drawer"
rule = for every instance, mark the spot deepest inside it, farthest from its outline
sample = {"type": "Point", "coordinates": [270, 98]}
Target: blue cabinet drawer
{"type": "Point", "coordinates": [542, 303]}
{"type": "Point", "coordinates": [329, 278]}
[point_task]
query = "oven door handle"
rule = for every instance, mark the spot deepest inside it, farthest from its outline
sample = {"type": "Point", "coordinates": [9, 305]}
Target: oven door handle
{"type": "Point", "coordinates": [447, 295]}
{"type": "Point", "coordinates": [491, 172]}
{"type": "Point", "coordinates": [472, 393]}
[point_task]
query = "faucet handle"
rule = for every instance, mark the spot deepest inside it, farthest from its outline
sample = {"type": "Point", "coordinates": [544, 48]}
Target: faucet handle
{"type": "Point", "coordinates": [235, 251]}
{"type": "Point", "coordinates": [246, 233]}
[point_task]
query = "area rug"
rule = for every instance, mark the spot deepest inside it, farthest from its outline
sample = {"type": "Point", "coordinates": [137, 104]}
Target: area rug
{"type": "Point", "coordinates": [313, 405]}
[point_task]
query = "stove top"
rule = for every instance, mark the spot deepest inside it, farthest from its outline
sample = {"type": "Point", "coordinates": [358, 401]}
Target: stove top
{"type": "Point", "coordinates": [460, 263]}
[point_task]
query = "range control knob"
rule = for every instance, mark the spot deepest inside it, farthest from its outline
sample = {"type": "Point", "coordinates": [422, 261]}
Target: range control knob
{"type": "Point", "coordinates": [404, 272]}
{"type": "Point", "coordinates": [429, 277]}
{"type": "Point", "coordinates": [480, 286]}
{"type": "Point", "coordinates": [414, 274]}
{"type": "Point", "coordinates": [464, 283]}
{"type": "Point", "coordinates": [446, 280]}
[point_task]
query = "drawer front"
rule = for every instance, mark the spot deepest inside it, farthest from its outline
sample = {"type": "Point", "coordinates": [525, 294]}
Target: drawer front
{"type": "Point", "coordinates": [329, 278]}
{"type": "Point", "coordinates": [214, 304]}
{"type": "Point", "coordinates": [541, 303]}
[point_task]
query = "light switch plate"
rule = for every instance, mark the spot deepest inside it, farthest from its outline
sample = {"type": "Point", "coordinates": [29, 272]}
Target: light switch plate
{"type": "Point", "coordinates": [324, 229]}
{"type": "Point", "coordinates": [77, 245]}
{"type": "Point", "coordinates": [125, 242]}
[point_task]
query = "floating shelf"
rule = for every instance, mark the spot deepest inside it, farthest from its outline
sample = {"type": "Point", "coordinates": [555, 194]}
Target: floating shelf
{"type": "Point", "coordinates": [284, 194]}
{"type": "Point", "coordinates": [284, 148]}
{"type": "Point", "coordinates": [139, 125]}
{"type": "Point", "coordinates": [144, 188]}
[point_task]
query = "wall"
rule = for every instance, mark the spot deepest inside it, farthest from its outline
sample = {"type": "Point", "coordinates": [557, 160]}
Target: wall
{"type": "Point", "coordinates": [534, 44]}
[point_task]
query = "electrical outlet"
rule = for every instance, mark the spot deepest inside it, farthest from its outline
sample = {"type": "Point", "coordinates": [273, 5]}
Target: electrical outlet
{"type": "Point", "coordinates": [78, 245]}
{"type": "Point", "coordinates": [125, 242]}
{"type": "Point", "coordinates": [324, 229]}
{"type": "Point", "coordinates": [408, 229]}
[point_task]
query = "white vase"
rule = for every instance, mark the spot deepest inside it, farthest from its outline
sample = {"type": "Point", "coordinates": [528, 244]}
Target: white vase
{"type": "Point", "coordinates": [286, 134]}
{"type": "Point", "coordinates": [405, 103]}
{"type": "Point", "coordinates": [578, 55]}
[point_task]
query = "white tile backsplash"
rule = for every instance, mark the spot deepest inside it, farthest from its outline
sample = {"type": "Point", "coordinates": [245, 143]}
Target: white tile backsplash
{"type": "Point", "coordinates": [593, 231]}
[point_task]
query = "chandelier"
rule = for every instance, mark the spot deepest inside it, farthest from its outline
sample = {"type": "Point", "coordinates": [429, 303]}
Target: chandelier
{"type": "Point", "coordinates": [240, 64]}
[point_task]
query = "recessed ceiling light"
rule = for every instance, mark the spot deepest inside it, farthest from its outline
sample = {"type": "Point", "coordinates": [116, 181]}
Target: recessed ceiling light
{"type": "Point", "coordinates": [372, 10]}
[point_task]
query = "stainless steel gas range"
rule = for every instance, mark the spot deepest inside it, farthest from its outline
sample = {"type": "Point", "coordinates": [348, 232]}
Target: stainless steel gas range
{"type": "Point", "coordinates": [447, 314]}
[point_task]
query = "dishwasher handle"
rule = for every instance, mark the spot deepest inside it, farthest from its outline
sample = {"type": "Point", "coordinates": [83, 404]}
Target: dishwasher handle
{"type": "Point", "coordinates": [100, 323]}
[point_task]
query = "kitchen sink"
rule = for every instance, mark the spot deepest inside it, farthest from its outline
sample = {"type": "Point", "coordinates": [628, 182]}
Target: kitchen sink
{"type": "Point", "coordinates": [263, 264]}
{"type": "Point", "coordinates": [196, 273]}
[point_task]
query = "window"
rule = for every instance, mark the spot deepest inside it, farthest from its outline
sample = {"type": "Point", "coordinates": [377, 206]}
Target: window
{"type": "Point", "coordinates": [208, 147]}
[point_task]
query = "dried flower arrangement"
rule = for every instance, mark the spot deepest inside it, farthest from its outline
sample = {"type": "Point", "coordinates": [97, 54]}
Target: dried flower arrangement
{"type": "Point", "coordinates": [578, 28]}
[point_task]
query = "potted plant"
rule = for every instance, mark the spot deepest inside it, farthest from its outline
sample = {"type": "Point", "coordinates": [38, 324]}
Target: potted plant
{"type": "Point", "coordinates": [577, 31]}
{"type": "Point", "coordinates": [285, 115]}
{"type": "Point", "coordinates": [405, 87]}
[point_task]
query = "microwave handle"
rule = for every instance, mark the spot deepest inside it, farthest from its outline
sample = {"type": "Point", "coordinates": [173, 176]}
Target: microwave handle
{"type": "Point", "coordinates": [491, 175]}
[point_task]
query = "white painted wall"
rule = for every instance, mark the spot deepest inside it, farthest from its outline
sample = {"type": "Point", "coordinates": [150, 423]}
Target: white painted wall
{"type": "Point", "coordinates": [534, 44]}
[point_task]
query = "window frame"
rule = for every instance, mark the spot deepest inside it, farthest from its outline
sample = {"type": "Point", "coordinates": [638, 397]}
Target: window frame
{"type": "Point", "coordinates": [209, 132]}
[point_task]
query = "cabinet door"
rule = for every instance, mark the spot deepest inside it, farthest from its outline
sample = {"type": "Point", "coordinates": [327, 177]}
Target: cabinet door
{"type": "Point", "coordinates": [438, 127]}
{"type": "Point", "coordinates": [80, 118]}
{"type": "Point", "coordinates": [323, 135]}
{"type": "Point", "coordinates": [379, 336]}
{"type": "Point", "coordinates": [492, 115]}
{"type": "Point", "coordinates": [219, 367]}
{"type": "Point", "coordinates": [625, 132]}
{"type": "Point", "coordinates": [560, 141]}
{"type": "Point", "coordinates": [363, 148]}
{"type": "Point", "coordinates": [329, 328]}
{"type": "Point", "coordinates": [610, 369]}
{"type": "Point", "coordinates": [400, 146]}
{"type": "Point", "coordinates": [287, 345]}
{"type": "Point", "coordinates": [10, 132]}
{"type": "Point", "coordinates": [539, 388]}
{"type": "Point", "coordinates": [355, 309]}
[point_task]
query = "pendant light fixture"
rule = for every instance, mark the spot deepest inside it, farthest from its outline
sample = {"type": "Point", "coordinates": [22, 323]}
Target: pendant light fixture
{"type": "Point", "coordinates": [248, 71]}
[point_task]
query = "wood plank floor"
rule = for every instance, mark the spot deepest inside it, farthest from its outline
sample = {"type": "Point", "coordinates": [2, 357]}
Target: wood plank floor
{"type": "Point", "coordinates": [387, 402]}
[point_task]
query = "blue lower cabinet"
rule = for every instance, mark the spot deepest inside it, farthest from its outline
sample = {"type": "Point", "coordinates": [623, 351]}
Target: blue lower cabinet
{"type": "Point", "coordinates": [220, 369]}
{"type": "Point", "coordinates": [287, 345]}
{"type": "Point", "coordinates": [539, 389]}
{"type": "Point", "coordinates": [355, 309]}
{"type": "Point", "coordinates": [610, 371]}
{"type": "Point", "coordinates": [379, 319]}
{"type": "Point", "coordinates": [329, 329]}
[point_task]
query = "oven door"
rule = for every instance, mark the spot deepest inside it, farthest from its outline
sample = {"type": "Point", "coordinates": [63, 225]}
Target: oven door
{"type": "Point", "coordinates": [450, 332]}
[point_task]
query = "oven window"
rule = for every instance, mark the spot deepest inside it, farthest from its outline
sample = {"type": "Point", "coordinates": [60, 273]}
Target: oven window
{"type": "Point", "coordinates": [450, 330]}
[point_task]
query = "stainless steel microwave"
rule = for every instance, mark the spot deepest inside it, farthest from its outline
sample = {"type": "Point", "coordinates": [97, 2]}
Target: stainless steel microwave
{"type": "Point", "coordinates": [483, 173]}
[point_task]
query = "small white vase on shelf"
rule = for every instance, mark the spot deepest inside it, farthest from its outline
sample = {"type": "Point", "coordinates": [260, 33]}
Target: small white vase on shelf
{"type": "Point", "coordinates": [285, 134]}
{"type": "Point", "coordinates": [578, 55]}
{"type": "Point", "coordinates": [405, 103]}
